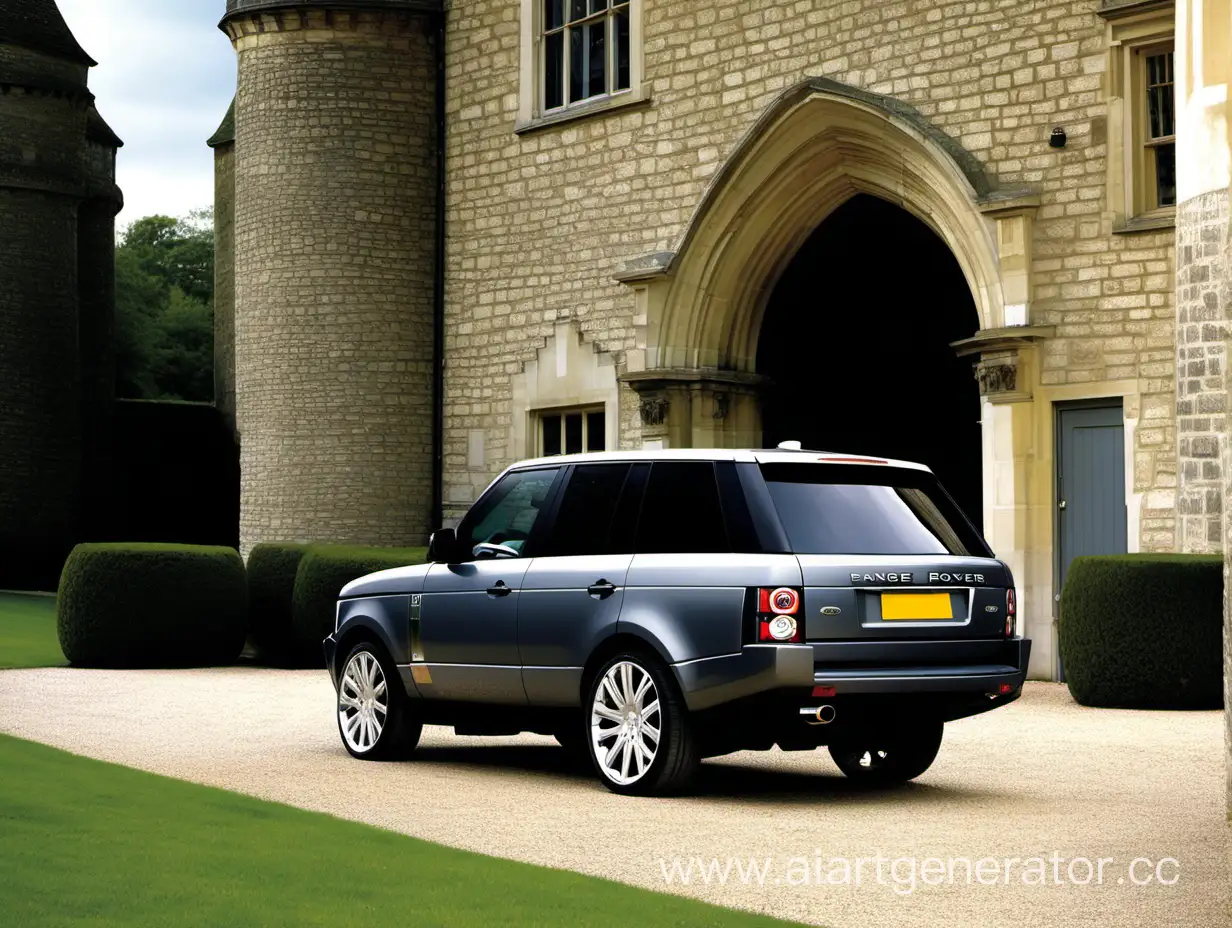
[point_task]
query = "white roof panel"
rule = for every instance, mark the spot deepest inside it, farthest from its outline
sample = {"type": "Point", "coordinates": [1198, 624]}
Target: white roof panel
{"type": "Point", "coordinates": [762, 456]}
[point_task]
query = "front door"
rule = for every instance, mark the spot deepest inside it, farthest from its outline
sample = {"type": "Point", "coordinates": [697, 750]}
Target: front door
{"type": "Point", "coordinates": [572, 594]}
{"type": "Point", "coordinates": [468, 633]}
{"type": "Point", "coordinates": [1090, 484]}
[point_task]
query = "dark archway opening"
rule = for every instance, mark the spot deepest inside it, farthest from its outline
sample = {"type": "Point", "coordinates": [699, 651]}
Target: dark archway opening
{"type": "Point", "coordinates": [856, 341]}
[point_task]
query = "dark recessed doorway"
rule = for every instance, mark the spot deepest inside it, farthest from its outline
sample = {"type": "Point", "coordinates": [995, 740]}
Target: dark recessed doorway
{"type": "Point", "coordinates": [856, 341]}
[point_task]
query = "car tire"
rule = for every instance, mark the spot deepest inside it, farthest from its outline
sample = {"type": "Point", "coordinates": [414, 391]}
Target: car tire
{"type": "Point", "coordinates": [639, 735]}
{"type": "Point", "coordinates": [572, 738]}
{"type": "Point", "coordinates": [376, 720]}
{"type": "Point", "coordinates": [891, 758]}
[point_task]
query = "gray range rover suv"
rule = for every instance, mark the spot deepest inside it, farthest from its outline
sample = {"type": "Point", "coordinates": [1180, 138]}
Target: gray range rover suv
{"type": "Point", "coordinates": [654, 608]}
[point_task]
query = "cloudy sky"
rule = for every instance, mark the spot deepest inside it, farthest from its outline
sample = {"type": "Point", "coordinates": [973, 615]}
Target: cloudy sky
{"type": "Point", "coordinates": [164, 79]}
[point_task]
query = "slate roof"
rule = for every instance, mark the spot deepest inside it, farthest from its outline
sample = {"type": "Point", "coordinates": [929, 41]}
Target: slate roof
{"type": "Point", "coordinates": [226, 131]}
{"type": "Point", "coordinates": [252, 6]}
{"type": "Point", "coordinates": [98, 131]}
{"type": "Point", "coordinates": [38, 25]}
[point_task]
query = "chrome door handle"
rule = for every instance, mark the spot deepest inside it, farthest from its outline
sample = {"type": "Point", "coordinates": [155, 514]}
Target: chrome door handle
{"type": "Point", "coordinates": [499, 590]}
{"type": "Point", "coordinates": [601, 588]}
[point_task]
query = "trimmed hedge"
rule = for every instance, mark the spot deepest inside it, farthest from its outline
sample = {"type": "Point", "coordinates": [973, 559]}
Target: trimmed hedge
{"type": "Point", "coordinates": [152, 605]}
{"type": "Point", "coordinates": [271, 587]}
{"type": "Point", "coordinates": [322, 574]}
{"type": "Point", "coordinates": [1144, 631]}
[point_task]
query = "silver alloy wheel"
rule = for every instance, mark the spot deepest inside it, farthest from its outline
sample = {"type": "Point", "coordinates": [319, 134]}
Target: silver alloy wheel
{"type": "Point", "coordinates": [363, 702]}
{"type": "Point", "coordinates": [625, 723]}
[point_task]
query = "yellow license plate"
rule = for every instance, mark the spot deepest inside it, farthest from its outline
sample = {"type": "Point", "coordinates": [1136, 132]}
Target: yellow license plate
{"type": "Point", "coordinates": [899, 606]}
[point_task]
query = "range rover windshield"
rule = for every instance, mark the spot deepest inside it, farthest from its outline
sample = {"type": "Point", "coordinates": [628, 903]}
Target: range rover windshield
{"type": "Point", "coordinates": [858, 509]}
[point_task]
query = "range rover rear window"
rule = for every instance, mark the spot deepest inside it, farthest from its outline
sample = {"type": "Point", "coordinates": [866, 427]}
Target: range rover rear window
{"type": "Point", "coordinates": [852, 509]}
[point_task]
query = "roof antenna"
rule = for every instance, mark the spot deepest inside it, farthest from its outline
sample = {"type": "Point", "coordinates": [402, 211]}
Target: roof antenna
{"type": "Point", "coordinates": [789, 446]}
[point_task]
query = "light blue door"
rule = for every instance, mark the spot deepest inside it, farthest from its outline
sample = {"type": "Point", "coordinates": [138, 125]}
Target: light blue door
{"type": "Point", "coordinates": [1090, 484]}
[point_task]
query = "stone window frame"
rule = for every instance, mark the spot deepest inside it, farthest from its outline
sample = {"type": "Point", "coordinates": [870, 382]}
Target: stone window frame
{"type": "Point", "coordinates": [531, 114]}
{"type": "Point", "coordinates": [585, 411]}
{"type": "Point", "coordinates": [1136, 28]}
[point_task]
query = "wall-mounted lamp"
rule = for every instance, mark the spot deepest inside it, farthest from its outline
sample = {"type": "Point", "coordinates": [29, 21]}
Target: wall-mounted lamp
{"type": "Point", "coordinates": [1058, 138]}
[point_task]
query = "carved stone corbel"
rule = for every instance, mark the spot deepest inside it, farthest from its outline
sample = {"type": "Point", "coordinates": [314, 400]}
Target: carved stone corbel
{"type": "Point", "coordinates": [653, 408]}
{"type": "Point", "coordinates": [997, 375]}
{"type": "Point", "coordinates": [1003, 360]}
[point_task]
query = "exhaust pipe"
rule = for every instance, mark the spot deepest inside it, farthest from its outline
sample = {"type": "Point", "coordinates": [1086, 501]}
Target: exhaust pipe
{"type": "Point", "coordinates": [822, 715]}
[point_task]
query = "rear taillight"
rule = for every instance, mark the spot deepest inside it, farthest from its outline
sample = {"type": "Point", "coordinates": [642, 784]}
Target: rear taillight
{"type": "Point", "coordinates": [777, 620]}
{"type": "Point", "coordinates": [1011, 612]}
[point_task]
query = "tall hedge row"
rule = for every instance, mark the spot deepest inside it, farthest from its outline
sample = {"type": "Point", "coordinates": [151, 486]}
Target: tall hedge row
{"type": "Point", "coordinates": [152, 605]}
{"type": "Point", "coordinates": [1144, 631]}
{"type": "Point", "coordinates": [271, 586]}
{"type": "Point", "coordinates": [322, 574]}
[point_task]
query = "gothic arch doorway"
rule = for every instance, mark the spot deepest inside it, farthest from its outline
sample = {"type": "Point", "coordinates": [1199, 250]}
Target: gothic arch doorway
{"type": "Point", "coordinates": [855, 346]}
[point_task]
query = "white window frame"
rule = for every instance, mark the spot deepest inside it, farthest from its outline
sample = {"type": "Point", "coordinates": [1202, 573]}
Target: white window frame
{"type": "Point", "coordinates": [531, 111]}
{"type": "Point", "coordinates": [585, 411]}
{"type": "Point", "coordinates": [1134, 31]}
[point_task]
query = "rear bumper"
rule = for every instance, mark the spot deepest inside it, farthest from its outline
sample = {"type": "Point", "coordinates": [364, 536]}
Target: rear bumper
{"type": "Point", "coordinates": [884, 668]}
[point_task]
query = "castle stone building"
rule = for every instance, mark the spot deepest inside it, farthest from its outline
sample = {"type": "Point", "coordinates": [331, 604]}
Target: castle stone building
{"type": "Point", "coordinates": [58, 202]}
{"type": "Point", "coordinates": [990, 235]}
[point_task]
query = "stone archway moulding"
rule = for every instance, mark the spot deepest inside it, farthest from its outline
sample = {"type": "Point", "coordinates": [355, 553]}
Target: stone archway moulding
{"type": "Point", "coordinates": [817, 145]}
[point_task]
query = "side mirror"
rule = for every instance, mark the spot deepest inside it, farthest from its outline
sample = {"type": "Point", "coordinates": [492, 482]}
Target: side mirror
{"type": "Point", "coordinates": [442, 546]}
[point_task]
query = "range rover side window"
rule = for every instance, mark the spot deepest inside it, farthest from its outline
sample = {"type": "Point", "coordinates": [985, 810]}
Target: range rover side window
{"type": "Point", "coordinates": [850, 509]}
{"type": "Point", "coordinates": [681, 513]}
{"type": "Point", "coordinates": [584, 519]}
{"type": "Point", "coordinates": [507, 515]}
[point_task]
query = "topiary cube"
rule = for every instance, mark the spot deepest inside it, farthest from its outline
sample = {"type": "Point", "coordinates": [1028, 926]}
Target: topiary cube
{"type": "Point", "coordinates": [152, 605]}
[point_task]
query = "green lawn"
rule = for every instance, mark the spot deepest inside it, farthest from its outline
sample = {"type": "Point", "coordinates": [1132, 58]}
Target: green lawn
{"type": "Point", "coordinates": [88, 843]}
{"type": "Point", "coordinates": [28, 632]}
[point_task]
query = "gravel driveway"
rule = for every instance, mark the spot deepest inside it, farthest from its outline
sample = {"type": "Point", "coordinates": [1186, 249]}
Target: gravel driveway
{"type": "Point", "coordinates": [1043, 776]}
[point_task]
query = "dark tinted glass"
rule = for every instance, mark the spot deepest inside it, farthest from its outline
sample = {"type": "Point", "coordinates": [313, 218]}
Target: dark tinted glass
{"type": "Point", "coordinates": [596, 436]}
{"type": "Point", "coordinates": [740, 529]}
{"type": "Point", "coordinates": [847, 509]}
{"type": "Point", "coordinates": [584, 519]}
{"type": "Point", "coordinates": [554, 70]}
{"type": "Point", "coordinates": [624, 523]}
{"type": "Point", "coordinates": [553, 13]}
{"type": "Point", "coordinates": [681, 512]}
{"type": "Point", "coordinates": [551, 435]}
{"type": "Point", "coordinates": [596, 58]}
{"type": "Point", "coordinates": [1165, 174]}
{"type": "Point", "coordinates": [622, 49]}
{"type": "Point", "coordinates": [573, 433]}
{"type": "Point", "coordinates": [577, 65]}
{"type": "Point", "coordinates": [507, 514]}
{"type": "Point", "coordinates": [1159, 95]}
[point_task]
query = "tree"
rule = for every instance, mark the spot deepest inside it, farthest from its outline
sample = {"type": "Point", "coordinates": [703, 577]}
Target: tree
{"type": "Point", "coordinates": [164, 308]}
{"type": "Point", "coordinates": [178, 251]}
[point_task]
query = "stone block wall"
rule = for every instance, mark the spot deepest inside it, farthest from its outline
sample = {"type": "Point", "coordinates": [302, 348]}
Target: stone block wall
{"type": "Point", "coordinates": [1201, 397]}
{"type": "Point", "coordinates": [40, 413]}
{"type": "Point", "coordinates": [43, 161]}
{"type": "Point", "coordinates": [335, 196]}
{"type": "Point", "coordinates": [224, 280]}
{"type": "Point", "coordinates": [538, 222]}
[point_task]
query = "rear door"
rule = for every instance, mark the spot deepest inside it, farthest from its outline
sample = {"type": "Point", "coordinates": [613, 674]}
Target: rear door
{"type": "Point", "coordinates": [689, 579]}
{"type": "Point", "coordinates": [885, 554]}
{"type": "Point", "coordinates": [572, 592]}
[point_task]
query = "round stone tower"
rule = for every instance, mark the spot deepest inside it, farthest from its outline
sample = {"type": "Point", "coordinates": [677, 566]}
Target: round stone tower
{"type": "Point", "coordinates": [334, 236]}
{"type": "Point", "coordinates": [56, 156]}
